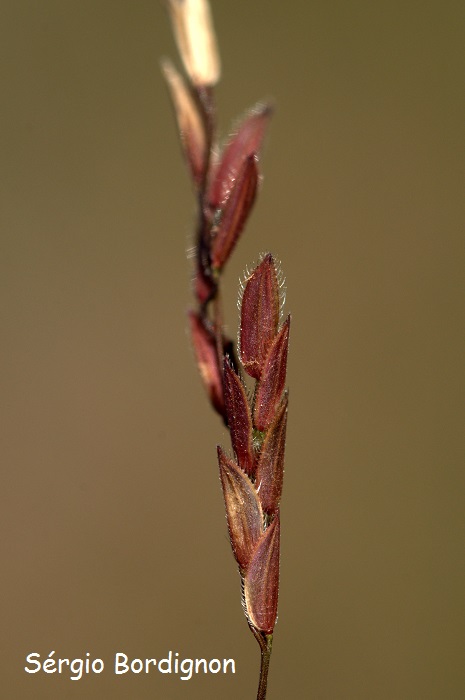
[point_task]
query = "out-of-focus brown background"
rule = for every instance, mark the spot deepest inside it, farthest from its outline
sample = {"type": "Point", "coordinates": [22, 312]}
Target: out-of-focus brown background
{"type": "Point", "coordinates": [113, 533]}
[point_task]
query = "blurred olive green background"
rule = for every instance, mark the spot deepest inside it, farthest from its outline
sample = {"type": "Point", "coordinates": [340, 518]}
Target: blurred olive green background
{"type": "Point", "coordinates": [113, 532]}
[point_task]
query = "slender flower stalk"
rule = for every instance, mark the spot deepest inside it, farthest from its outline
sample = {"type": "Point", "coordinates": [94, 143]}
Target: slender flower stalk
{"type": "Point", "coordinates": [226, 182]}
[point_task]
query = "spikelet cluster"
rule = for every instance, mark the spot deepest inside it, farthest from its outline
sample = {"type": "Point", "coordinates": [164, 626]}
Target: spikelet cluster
{"type": "Point", "coordinates": [226, 180]}
{"type": "Point", "coordinates": [252, 481]}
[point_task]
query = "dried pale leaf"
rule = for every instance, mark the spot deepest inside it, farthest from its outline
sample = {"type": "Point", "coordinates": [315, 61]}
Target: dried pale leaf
{"type": "Point", "coordinates": [259, 316]}
{"type": "Point", "coordinates": [239, 418]}
{"type": "Point", "coordinates": [190, 123]}
{"type": "Point", "coordinates": [243, 509]}
{"type": "Point", "coordinates": [273, 379]}
{"type": "Point", "coordinates": [270, 468]}
{"type": "Point", "coordinates": [207, 360]}
{"type": "Point", "coordinates": [261, 582]}
{"type": "Point", "coordinates": [195, 37]}
{"type": "Point", "coordinates": [246, 141]}
{"type": "Point", "coordinates": [235, 212]}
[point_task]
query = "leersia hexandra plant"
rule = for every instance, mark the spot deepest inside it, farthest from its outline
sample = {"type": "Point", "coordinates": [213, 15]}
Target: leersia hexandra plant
{"type": "Point", "coordinates": [226, 183]}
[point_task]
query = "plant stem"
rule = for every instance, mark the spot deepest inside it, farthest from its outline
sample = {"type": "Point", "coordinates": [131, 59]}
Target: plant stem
{"type": "Point", "coordinates": [265, 641]}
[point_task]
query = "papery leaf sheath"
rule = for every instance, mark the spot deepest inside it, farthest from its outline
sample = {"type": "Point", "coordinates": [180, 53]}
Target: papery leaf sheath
{"type": "Point", "coordinates": [207, 360]}
{"type": "Point", "coordinates": [261, 581]}
{"type": "Point", "coordinates": [270, 467]}
{"type": "Point", "coordinates": [259, 316]}
{"type": "Point", "coordinates": [243, 510]}
{"type": "Point", "coordinates": [190, 123]}
{"type": "Point", "coordinates": [239, 418]}
{"type": "Point", "coordinates": [193, 30]}
{"type": "Point", "coordinates": [235, 212]}
{"type": "Point", "coordinates": [273, 378]}
{"type": "Point", "coordinates": [246, 141]}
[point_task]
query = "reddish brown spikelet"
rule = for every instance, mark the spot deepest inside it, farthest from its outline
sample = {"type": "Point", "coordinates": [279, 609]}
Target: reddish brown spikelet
{"type": "Point", "coordinates": [270, 468]}
{"type": "Point", "coordinates": [243, 509]}
{"type": "Point", "coordinates": [207, 360]}
{"type": "Point", "coordinates": [246, 141]}
{"type": "Point", "coordinates": [190, 122]}
{"type": "Point", "coordinates": [235, 212]}
{"type": "Point", "coordinates": [271, 385]}
{"type": "Point", "coordinates": [261, 582]}
{"type": "Point", "coordinates": [259, 316]}
{"type": "Point", "coordinates": [239, 418]}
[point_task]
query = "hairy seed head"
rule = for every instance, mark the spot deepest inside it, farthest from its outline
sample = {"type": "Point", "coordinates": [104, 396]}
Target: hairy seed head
{"type": "Point", "coordinates": [246, 141]}
{"type": "Point", "coordinates": [239, 418]}
{"type": "Point", "coordinates": [243, 509]}
{"type": "Point", "coordinates": [261, 581]}
{"type": "Point", "coordinates": [272, 380]}
{"type": "Point", "coordinates": [235, 212]}
{"type": "Point", "coordinates": [259, 316]}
